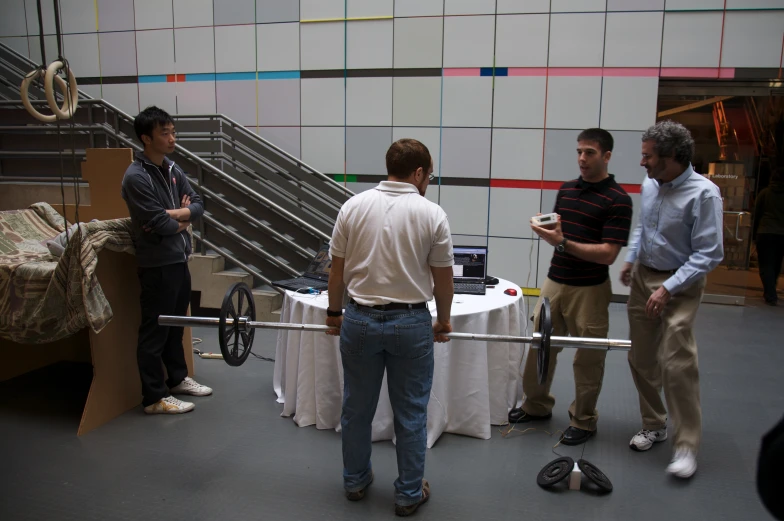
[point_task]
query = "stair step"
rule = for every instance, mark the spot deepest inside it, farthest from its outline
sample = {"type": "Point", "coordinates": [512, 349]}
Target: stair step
{"type": "Point", "coordinates": [267, 302]}
{"type": "Point", "coordinates": [202, 267]}
{"type": "Point", "coordinates": [215, 285]}
{"type": "Point", "coordinates": [233, 273]}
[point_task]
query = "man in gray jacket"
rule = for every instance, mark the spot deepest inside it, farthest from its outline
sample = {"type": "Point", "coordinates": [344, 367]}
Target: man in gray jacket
{"type": "Point", "coordinates": [162, 205]}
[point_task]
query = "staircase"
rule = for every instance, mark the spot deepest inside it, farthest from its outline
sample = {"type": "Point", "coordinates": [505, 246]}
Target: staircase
{"type": "Point", "coordinates": [266, 212]}
{"type": "Point", "coordinates": [211, 277]}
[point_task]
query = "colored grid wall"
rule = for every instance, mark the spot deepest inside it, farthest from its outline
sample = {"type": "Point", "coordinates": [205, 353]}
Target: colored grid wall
{"type": "Point", "coordinates": [497, 89]}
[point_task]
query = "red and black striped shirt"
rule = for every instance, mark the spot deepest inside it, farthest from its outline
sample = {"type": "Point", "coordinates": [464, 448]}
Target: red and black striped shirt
{"type": "Point", "coordinates": [590, 213]}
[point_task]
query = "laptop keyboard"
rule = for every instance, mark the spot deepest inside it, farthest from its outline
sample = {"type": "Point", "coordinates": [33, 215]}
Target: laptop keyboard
{"type": "Point", "coordinates": [469, 289]}
{"type": "Point", "coordinates": [304, 282]}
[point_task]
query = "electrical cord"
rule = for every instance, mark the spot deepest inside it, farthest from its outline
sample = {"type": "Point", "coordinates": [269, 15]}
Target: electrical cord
{"type": "Point", "coordinates": [200, 352]}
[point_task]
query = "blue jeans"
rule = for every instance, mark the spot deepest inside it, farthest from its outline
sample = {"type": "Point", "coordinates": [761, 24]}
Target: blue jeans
{"type": "Point", "coordinates": [402, 342]}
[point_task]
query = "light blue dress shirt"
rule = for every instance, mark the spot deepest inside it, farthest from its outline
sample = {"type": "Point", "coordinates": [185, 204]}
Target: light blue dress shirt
{"type": "Point", "coordinates": [680, 228]}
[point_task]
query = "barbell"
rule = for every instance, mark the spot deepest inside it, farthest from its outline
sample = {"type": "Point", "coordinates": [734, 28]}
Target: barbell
{"type": "Point", "coordinates": [237, 326]}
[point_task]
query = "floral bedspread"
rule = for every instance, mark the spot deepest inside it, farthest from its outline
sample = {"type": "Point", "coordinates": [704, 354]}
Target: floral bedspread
{"type": "Point", "coordinates": [44, 298]}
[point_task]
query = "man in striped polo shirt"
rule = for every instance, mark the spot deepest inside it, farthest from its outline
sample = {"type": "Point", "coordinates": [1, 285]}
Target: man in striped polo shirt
{"type": "Point", "coordinates": [594, 217]}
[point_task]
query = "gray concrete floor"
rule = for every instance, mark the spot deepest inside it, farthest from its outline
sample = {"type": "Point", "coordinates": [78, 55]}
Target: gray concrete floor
{"type": "Point", "coordinates": [235, 458]}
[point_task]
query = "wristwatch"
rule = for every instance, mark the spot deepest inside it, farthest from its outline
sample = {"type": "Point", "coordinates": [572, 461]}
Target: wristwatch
{"type": "Point", "coordinates": [561, 246]}
{"type": "Point", "coordinates": [331, 313]}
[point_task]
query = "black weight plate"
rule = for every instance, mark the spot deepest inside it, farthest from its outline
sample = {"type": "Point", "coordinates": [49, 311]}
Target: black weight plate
{"type": "Point", "coordinates": [235, 344]}
{"type": "Point", "coordinates": [545, 330]}
{"type": "Point", "coordinates": [595, 475]}
{"type": "Point", "coordinates": [555, 472]}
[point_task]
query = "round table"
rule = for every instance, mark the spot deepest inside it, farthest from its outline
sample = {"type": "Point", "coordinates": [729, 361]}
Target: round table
{"type": "Point", "coordinates": [475, 384]}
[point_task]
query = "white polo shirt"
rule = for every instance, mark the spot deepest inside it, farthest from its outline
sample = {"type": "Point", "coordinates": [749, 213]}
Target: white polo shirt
{"type": "Point", "coordinates": [389, 237]}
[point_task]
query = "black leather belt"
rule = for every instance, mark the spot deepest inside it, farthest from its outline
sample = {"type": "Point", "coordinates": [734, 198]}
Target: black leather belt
{"type": "Point", "coordinates": [392, 306]}
{"type": "Point", "coordinates": [669, 272]}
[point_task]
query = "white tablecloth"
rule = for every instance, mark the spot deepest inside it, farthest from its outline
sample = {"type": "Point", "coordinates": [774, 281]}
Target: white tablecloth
{"type": "Point", "coordinates": [475, 384]}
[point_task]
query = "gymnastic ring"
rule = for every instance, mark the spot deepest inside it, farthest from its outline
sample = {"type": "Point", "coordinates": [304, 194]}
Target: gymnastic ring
{"type": "Point", "coordinates": [71, 102]}
{"type": "Point", "coordinates": [28, 79]}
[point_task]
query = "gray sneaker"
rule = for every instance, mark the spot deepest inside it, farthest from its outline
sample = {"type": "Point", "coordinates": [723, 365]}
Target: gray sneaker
{"type": "Point", "coordinates": [645, 439]}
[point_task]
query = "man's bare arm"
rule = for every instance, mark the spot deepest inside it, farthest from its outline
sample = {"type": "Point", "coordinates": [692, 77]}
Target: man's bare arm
{"type": "Point", "coordinates": [335, 286]}
{"type": "Point", "coordinates": [443, 291]}
{"type": "Point", "coordinates": [604, 253]}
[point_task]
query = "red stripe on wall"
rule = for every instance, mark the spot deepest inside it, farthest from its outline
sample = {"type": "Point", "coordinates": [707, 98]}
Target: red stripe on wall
{"type": "Point", "coordinates": [525, 183]}
{"type": "Point", "coordinates": [631, 189]}
{"type": "Point", "coordinates": [545, 185]}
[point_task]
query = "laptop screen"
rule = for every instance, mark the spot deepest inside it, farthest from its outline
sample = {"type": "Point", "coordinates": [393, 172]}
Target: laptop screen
{"type": "Point", "coordinates": [470, 262]}
{"type": "Point", "coordinates": [320, 265]}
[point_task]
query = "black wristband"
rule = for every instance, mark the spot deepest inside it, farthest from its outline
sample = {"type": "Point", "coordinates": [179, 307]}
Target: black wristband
{"type": "Point", "coordinates": [331, 313]}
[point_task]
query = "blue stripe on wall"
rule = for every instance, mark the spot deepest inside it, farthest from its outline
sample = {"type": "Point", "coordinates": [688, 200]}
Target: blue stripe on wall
{"type": "Point", "coordinates": [499, 71]}
{"type": "Point", "coordinates": [200, 77]}
{"type": "Point", "coordinates": [153, 79]}
{"type": "Point", "coordinates": [279, 75]}
{"type": "Point", "coordinates": [234, 76]}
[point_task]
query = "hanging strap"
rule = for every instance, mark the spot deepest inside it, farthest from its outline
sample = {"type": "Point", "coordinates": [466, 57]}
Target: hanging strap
{"type": "Point", "coordinates": [58, 29]}
{"type": "Point", "coordinates": [41, 34]}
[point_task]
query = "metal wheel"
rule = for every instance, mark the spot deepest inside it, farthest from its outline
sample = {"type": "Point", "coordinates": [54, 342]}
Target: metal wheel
{"type": "Point", "coordinates": [545, 330]}
{"type": "Point", "coordinates": [234, 336]}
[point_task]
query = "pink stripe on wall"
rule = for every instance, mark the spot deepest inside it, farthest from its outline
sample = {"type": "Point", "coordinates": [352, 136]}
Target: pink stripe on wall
{"type": "Point", "coordinates": [633, 72]}
{"type": "Point", "coordinates": [527, 71]}
{"type": "Point", "coordinates": [727, 73]}
{"type": "Point", "coordinates": [575, 71]}
{"type": "Point", "coordinates": [618, 72]}
{"type": "Point", "coordinates": [461, 72]}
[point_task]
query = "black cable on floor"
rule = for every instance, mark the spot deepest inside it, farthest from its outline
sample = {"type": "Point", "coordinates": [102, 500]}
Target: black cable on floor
{"type": "Point", "coordinates": [263, 357]}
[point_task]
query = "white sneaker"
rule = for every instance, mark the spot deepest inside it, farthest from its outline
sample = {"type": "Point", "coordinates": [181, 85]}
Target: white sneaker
{"type": "Point", "coordinates": [645, 439]}
{"type": "Point", "coordinates": [169, 405]}
{"type": "Point", "coordinates": [189, 386]}
{"type": "Point", "coordinates": [684, 463]}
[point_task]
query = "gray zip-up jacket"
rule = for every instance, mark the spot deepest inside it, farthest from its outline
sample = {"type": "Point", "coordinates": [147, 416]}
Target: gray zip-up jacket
{"type": "Point", "coordinates": [148, 195]}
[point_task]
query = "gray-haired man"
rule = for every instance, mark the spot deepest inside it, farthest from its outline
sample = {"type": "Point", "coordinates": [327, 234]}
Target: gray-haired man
{"type": "Point", "coordinates": [678, 240]}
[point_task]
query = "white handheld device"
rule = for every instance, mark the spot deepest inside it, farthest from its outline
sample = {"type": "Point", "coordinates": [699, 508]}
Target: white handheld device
{"type": "Point", "coordinates": [544, 220]}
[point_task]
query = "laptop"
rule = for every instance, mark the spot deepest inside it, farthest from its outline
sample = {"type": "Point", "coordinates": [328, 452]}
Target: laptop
{"type": "Point", "coordinates": [316, 276]}
{"type": "Point", "coordinates": [469, 270]}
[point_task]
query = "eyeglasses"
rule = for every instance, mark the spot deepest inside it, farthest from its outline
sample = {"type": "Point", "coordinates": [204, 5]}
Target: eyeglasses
{"type": "Point", "coordinates": [432, 178]}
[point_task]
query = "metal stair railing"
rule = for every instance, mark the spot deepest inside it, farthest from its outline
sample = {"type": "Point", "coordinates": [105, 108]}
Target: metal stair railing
{"type": "Point", "coordinates": [265, 210]}
{"type": "Point", "coordinates": [291, 227]}
{"type": "Point", "coordinates": [291, 182]}
{"type": "Point", "coordinates": [230, 133]}
{"type": "Point", "coordinates": [238, 136]}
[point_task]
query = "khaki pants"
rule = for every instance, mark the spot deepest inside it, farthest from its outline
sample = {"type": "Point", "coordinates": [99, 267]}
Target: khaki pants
{"type": "Point", "coordinates": [664, 354]}
{"type": "Point", "coordinates": [578, 311]}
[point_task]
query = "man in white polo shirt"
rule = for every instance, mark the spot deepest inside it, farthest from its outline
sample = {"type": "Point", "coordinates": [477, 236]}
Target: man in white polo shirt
{"type": "Point", "coordinates": [392, 249]}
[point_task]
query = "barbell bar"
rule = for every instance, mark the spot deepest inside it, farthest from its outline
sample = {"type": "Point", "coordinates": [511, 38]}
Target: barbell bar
{"type": "Point", "coordinates": [237, 326]}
